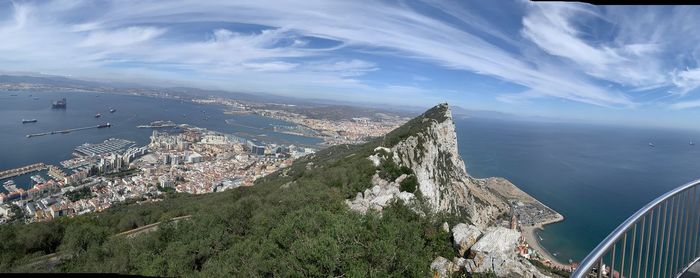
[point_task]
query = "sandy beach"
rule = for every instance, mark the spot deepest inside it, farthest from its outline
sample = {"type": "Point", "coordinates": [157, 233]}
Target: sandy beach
{"type": "Point", "coordinates": [509, 191]}
{"type": "Point", "coordinates": [530, 235]}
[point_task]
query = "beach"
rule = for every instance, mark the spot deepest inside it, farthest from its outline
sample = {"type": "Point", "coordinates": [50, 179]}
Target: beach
{"type": "Point", "coordinates": [534, 215]}
{"type": "Point", "coordinates": [530, 235]}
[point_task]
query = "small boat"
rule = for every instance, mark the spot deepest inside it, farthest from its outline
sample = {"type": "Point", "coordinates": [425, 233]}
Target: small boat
{"type": "Point", "coordinates": [29, 121]}
{"type": "Point", "coordinates": [35, 98]}
{"type": "Point", "coordinates": [112, 110]}
{"type": "Point", "coordinates": [98, 115]}
{"type": "Point", "coordinates": [651, 144]}
{"type": "Point", "coordinates": [13, 95]}
{"type": "Point", "coordinates": [691, 143]}
{"type": "Point", "coordinates": [104, 125]}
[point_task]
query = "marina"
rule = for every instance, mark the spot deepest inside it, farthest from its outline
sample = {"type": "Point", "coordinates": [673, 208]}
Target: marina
{"type": "Point", "coordinates": [10, 186]}
{"type": "Point", "coordinates": [38, 179]}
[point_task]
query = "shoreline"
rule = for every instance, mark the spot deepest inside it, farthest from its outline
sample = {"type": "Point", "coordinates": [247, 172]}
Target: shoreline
{"type": "Point", "coordinates": [530, 235]}
{"type": "Point", "coordinates": [509, 191]}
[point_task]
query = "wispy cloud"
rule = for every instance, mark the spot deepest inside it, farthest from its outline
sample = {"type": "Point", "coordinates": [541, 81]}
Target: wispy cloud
{"type": "Point", "coordinates": [121, 37]}
{"type": "Point", "coordinates": [685, 104]}
{"type": "Point", "coordinates": [599, 56]}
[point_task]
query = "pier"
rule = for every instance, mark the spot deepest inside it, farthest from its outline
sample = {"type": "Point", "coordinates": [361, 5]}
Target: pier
{"type": "Point", "coordinates": [22, 170]}
{"type": "Point", "coordinates": [67, 130]}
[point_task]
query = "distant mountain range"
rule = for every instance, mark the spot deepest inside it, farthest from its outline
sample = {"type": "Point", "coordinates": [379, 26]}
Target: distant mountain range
{"type": "Point", "coordinates": [344, 108]}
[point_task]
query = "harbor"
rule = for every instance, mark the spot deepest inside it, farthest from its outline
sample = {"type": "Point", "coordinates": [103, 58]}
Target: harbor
{"type": "Point", "coordinates": [68, 130]}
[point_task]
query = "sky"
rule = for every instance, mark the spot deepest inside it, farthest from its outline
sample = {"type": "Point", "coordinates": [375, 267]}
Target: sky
{"type": "Point", "coordinates": [636, 65]}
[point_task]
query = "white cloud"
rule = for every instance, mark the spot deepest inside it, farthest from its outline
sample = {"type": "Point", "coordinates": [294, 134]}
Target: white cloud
{"type": "Point", "coordinates": [553, 53]}
{"type": "Point", "coordinates": [551, 26]}
{"type": "Point", "coordinates": [121, 37]}
{"type": "Point", "coordinates": [687, 80]}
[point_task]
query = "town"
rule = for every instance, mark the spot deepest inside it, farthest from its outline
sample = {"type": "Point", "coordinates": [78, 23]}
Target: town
{"type": "Point", "coordinates": [189, 159]}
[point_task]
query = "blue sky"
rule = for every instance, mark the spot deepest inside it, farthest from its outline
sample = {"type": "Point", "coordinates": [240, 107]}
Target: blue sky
{"type": "Point", "coordinates": [623, 64]}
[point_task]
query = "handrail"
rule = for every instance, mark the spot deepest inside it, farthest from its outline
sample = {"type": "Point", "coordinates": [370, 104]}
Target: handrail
{"type": "Point", "coordinates": [681, 229]}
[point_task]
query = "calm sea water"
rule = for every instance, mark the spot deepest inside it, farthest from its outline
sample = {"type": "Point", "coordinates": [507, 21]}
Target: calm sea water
{"type": "Point", "coordinates": [17, 150]}
{"type": "Point", "coordinates": [596, 176]}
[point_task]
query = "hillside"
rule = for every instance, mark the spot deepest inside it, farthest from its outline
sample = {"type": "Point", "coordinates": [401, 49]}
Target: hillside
{"type": "Point", "coordinates": [295, 222]}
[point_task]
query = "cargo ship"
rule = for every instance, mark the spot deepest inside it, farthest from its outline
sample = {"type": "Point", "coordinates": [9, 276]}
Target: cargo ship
{"type": "Point", "coordinates": [104, 125]}
{"type": "Point", "coordinates": [29, 121]}
{"type": "Point", "coordinates": [59, 104]}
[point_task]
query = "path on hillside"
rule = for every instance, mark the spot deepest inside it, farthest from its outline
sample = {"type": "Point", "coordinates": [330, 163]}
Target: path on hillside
{"type": "Point", "coordinates": [49, 261]}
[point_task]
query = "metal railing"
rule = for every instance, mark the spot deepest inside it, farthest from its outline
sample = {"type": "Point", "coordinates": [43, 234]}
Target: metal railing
{"type": "Point", "coordinates": [659, 240]}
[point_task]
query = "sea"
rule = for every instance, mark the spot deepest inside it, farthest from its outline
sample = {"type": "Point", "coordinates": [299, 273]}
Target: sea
{"type": "Point", "coordinates": [594, 175]}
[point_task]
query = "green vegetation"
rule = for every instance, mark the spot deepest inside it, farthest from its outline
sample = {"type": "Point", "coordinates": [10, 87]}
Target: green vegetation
{"type": "Point", "coordinates": [122, 173]}
{"type": "Point", "coordinates": [409, 184]}
{"type": "Point", "coordinates": [17, 213]}
{"type": "Point", "coordinates": [82, 193]}
{"type": "Point", "coordinates": [166, 189]}
{"type": "Point", "coordinates": [388, 170]}
{"type": "Point", "coordinates": [291, 223]}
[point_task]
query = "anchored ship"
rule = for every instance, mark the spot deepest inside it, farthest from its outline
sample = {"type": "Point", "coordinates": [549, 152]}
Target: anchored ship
{"type": "Point", "coordinates": [59, 104]}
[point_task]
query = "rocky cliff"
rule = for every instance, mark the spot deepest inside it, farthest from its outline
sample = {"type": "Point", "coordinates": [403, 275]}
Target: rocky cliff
{"type": "Point", "coordinates": [431, 151]}
{"type": "Point", "coordinates": [426, 150]}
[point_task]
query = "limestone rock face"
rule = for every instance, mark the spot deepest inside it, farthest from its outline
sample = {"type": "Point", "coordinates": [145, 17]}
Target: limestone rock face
{"type": "Point", "coordinates": [379, 196]}
{"type": "Point", "coordinates": [443, 268]}
{"type": "Point", "coordinates": [495, 251]}
{"type": "Point", "coordinates": [497, 240]}
{"type": "Point", "coordinates": [431, 152]}
{"type": "Point", "coordinates": [428, 146]}
{"type": "Point", "coordinates": [464, 237]}
{"type": "Point", "coordinates": [503, 266]}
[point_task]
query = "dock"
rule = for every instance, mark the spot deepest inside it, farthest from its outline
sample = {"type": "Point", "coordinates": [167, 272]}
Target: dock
{"type": "Point", "coordinates": [22, 170]}
{"type": "Point", "coordinates": [67, 130]}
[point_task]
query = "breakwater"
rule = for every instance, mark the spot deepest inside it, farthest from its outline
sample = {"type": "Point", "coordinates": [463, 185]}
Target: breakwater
{"type": "Point", "coordinates": [22, 170]}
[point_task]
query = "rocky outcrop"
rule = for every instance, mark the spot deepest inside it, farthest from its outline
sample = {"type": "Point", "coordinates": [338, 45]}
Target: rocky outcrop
{"type": "Point", "coordinates": [497, 240]}
{"type": "Point", "coordinates": [495, 252]}
{"type": "Point", "coordinates": [380, 195]}
{"type": "Point", "coordinates": [427, 145]}
{"type": "Point", "coordinates": [431, 152]}
{"type": "Point", "coordinates": [442, 267]}
{"type": "Point", "coordinates": [464, 236]}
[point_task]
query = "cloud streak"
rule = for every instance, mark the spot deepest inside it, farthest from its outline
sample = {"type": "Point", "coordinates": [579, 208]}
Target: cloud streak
{"type": "Point", "coordinates": [554, 50]}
